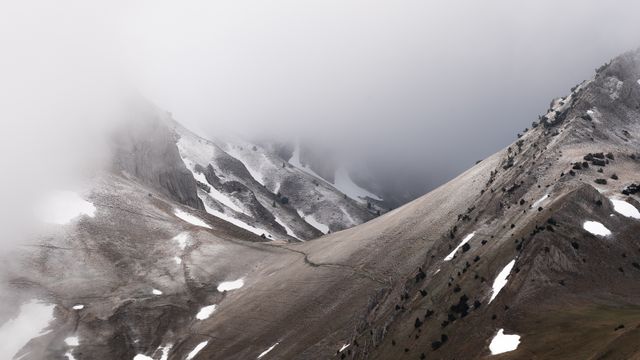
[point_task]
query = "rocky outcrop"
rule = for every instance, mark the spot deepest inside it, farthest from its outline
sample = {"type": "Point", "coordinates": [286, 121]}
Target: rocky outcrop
{"type": "Point", "coordinates": [145, 149]}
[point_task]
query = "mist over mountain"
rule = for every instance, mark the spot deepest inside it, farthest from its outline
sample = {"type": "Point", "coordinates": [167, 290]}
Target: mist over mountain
{"type": "Point", "coordinates": [319, 180]}
{"type": "Point", "coordinates": [390, 86]}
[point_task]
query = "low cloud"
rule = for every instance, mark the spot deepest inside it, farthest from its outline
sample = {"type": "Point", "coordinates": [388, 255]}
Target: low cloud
{"type": "Point", "coordinates": [416, 89]}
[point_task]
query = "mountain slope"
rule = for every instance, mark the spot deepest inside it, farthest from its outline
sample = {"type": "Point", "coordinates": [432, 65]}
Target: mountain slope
{"type": "Point", "coordinates": [247, 183]}
{"type": "Point", "coordinates": [529, 206]}
{"type": "Point", "coordinates": [533, 250]}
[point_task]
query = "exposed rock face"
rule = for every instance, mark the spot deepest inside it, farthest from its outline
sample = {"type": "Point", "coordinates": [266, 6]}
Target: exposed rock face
{"type": "Point", "coordinates": [146, 149]}
{"type": "Point", "coordinates": [386, 289]}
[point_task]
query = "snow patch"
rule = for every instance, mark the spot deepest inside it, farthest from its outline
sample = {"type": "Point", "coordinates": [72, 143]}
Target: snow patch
{"type": "Point", "coordinates": [72, 341]}
{"type": "Point", "coordinates": [344, 183]}
{"type": "Point", "coordinates": [286, 228]}
{"type": "Point", "coordinates": [220, 197]}
{"type": "Point", "coordinates": [177, 260]}
{"type": "Point", "coordinates": [349, 217]}
{"type": "Point", "coordinates": [464, 241]}
{"type": "Point", "coordinates": [255, 173]}
{"type": "Point", "coordinates": [502, 343]}
{"type": "Point", "coordinates": [205, 312]}
{"type": "Point", "coordinates": [596, 228]}
{"type": "Point", "coordinates": [182, 239]}
{"type": "Point", "coordinates": [230, 285]}
{"type": "Point", "coordinates": [78, 307]}
{"type": "Point", "coordinates": [61, 207]}
{"type": "Point", "coordinates": [197, 349]}
{"type": "Point", "coordinates": [156, 292]}
{"type": "Point", "coordinates": [625, 209]}
{"type": "Point", "coordinates": [190, 218]}
{"type": "Point", "coordinates": [267, 351]}
{"type": "Point", "coordinates": [165, 351]}
{"type": "Point", "coordinates": [536, 204]}
{"type": "Point", "coordinates": [344, 347]}
{"type": "Point", "coordinates": [142, 357]}
{"type": "Point", "coordinates": [225, 200]}
{"type": "Point", "coordinates": [194, 148]}
{"type": "Point", "coordinates": [316, 224]}
{"type": "Point", "coordinates": [30, 322]}
{"type": "Point", "coordinates": [69, 356]}
{"type": "Point", "coordinates": [501, 280]}
{"type": "Point", "coordinates": [237, 222]}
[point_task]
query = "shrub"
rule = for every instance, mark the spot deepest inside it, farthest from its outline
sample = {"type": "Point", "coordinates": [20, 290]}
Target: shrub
{"type": "Point", "coordinates": [418, 323]}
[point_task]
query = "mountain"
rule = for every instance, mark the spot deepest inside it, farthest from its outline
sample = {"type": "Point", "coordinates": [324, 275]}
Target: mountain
{"type": "Point", "coordinates": [531, 254]}
{"type": "Point", "coordinates": [234, 180]}
{"type": "Point", "coordinates": [322, 162]}
{"type": "Point", "coordinates": [257, 190]}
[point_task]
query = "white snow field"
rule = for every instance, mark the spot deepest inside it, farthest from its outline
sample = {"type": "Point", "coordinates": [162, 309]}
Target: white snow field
{"type": "Point", "coordinates": [502, 343]}
{"type": "Point", "coordinates": [213, 192]}
{"type": "Point", "coordinates": [61, 207]}
{"type": "Point", "coordinates": [343, 182]}
{"type": "Point", "coordinates": [205, 312]}
{"type": "Point", "coordinates": [142, 357]}
{"type": "Point", "coordinates": [596, 228]}
{"type": "Point", "coordinates": [72, 341]}
{"type": "Point", "coordinates": [230, 285]}
{"type": "Point", "coordinates": [464, 241]}
{"type": "Point", "coordinates": [316, 224]}
{"type": "Point", "coordinates": [30, 322]}
{"type": "Point", "coordinates": [286, 228]}
{"type": "Point", "coordinates": [196, 350]}
{"type": "Point", "coordinates": [267, 351]}
{"type": "Point", "coordinates": [165, 351]}
{"type": "Point", "coordinates": [191, 219]}
{"type": "Point", "coordinates": [235, 221]}
{"type": "Point", "coordinates": [242, 151]}
{"type": "Point", "coordinates": [501, 279]}
{"type": "Point", "coordinates": [625, 209]}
